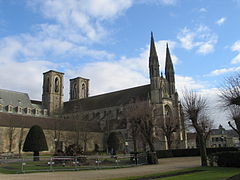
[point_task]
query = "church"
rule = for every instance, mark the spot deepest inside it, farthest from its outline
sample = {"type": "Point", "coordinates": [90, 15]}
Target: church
{"type": "Point", "coordinates": [89, 120]}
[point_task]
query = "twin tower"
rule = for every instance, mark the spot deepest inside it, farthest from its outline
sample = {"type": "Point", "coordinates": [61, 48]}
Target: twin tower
{"type": "Point", "coordinates": [161, 87]}
{"type": "Point", "coordinates": [53, 85]}
{"type": "Point", "coordinates": [52, 97]}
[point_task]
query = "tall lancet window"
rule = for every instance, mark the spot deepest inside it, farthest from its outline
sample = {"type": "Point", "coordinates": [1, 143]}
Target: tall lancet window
{"type": "Point", "coordinates": [56, 84]}
{"type": "Point", "coordinates": [74, 94]}
{"type": "Point", "coordinates": [47, 84]}
{"type": "Point", "coordinates": [83, 91]}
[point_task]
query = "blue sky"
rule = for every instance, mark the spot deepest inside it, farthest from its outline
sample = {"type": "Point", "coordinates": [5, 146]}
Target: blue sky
{"type": "Point", "coordinates": [108, 42]}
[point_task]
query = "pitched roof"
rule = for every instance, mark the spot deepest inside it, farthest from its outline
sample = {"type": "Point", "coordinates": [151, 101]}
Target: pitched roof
{"type": "Point", "coordinates": [14, 98]}
{"type": "Point", "coordinates": [116, 98]}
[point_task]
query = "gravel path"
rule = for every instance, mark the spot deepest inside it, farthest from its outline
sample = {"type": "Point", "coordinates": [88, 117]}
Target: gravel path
{"type": "Point", "coordinates": [167, 164]}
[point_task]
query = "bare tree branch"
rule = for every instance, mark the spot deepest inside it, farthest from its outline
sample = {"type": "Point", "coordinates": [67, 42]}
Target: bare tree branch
{"type": "Point", "coordinates": [230, 91]}
{"type": "Point", "coordinates": [194, 106]}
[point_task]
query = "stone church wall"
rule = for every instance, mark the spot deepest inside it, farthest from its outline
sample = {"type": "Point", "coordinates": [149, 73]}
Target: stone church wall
{"type": "Point", "coordinates": [66, 137]}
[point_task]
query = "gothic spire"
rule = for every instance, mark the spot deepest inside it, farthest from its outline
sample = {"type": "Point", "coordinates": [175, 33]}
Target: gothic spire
{"type": "Point", "coordinates": [153, 59]}
{"type": "Point", "coordinates": [153, 51]}
{"type": "Point", "coordinates": [169, 71]}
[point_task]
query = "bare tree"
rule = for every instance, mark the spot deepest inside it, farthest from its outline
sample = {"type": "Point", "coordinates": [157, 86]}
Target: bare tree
{"type": "Point", "coordinates": [20, 140]}
{"type": "Point", "coordinates": [206, 124]}
{"type": "Point", "coordinates": [230, 91]}
{"type": "Point", "coordinates": [168, 127]}
{"type": "Point", "coordinates": [230, 96]}
{"type": "Point", "coordinates": [194, 106]}
{"type": "Point", "coordinates": [142, 112]}
{"type": "Point", "coordinates": [131, 113]}
{"type": "Point", "coordinates": [11, 133]}
{"type": "Point", "coordinates": [82, 133]}
{"type": "Point", "coordinates": [235, 116]}
{"type": "Point", "coordinates": [85, 135]}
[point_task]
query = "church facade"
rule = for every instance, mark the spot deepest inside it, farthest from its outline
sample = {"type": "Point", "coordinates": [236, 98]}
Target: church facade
{"type": "Point", "coordinates": [90, 120]}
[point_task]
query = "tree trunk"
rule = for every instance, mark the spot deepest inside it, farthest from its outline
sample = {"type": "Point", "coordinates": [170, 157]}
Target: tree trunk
{"type": "Point", "coordinates": [36, 156]}
{"type": "Point", "coordinates": [151, 146]}
{"type": "Point", "coordinates": [169, 142]}
{"type": "Point", "coordinates": [134, 145]}
{"type": "Point", "coordinates": [203, 150]}
{"type": "Point", "coordinates": [85, 146]}
{"type": "Point", "coordinates": [152, 156]}
{"type": "Point", "coordinates": [20, 141]}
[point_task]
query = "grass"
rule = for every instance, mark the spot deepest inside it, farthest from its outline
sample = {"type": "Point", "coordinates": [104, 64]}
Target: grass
{"type": "Point", "coordinates": [42, 165]}
{"type": "Point", "coordinates": [208, 173]}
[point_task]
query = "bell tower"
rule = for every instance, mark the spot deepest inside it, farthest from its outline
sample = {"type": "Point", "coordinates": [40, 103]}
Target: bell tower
{"type": "Point", "coordinates": [52, 97]}
{"type": "Point", "coordinates": [79, 88]}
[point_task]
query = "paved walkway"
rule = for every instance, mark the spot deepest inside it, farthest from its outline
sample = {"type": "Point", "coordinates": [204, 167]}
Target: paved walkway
{"type": "Point", "coordinates": [167, 164]}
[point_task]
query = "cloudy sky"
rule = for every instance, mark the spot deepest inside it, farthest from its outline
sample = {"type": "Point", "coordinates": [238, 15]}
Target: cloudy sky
{"type": "Point", "coordinates": [107, 41]}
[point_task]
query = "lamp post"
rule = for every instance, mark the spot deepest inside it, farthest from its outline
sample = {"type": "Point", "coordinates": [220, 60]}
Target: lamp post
{"type": "Point", "coordinates": [126, 147]}
{"type": "Point", "coordinates": [55, 142]}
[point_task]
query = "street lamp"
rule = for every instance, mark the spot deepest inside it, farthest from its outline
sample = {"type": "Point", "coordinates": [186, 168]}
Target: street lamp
{"type": "Point", "coordinates": [55, 143]}
{"type": "Point", "coordinates": [126, 147]}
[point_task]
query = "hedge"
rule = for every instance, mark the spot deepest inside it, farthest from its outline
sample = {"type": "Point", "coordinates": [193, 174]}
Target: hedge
{"type": "Point", "coordinates": [228, 159]}
{"type": "Point", "coordinates": [190, 152]}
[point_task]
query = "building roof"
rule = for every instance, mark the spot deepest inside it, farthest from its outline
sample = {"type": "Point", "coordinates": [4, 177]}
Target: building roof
{"type": "Point", "coordinates": [14, 98]}
{"type": "Point", "coordinates": [36, 104]}
{"type": "Point", "coordinates": [112, 99]}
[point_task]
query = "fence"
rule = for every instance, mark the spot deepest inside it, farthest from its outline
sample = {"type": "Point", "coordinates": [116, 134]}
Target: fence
{"type": "Point", "coordinates": [75, 163]}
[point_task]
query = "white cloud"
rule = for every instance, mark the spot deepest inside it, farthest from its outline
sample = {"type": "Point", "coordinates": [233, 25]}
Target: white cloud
{"type": "Point", "coordinates": [215, 108]}
{"type": "Point", "coordinates": [123, 73]}
{"type": "Point", "coordinates": [220, 21]}
{"type": "Point", "coordinates": [168, 2]}
{"type": "Point", "coordinates": [236, 47]}
{"type": "Point", "coordinates": [79, 17]}
{"type": "Point", "coordinates": [201, 38]}
{"type": "Point", "coordinates": [202, 10]}
{"type": "Point", "coordinates": [158, 2]}
{"type": "Point", "coordinates": [24, 76]}
{"type": "Point", "coordinates": [224, 70]}
{"type": "Point", "coordinates": [183, 82]}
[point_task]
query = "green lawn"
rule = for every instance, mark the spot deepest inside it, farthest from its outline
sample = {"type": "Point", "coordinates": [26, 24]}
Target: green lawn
{"type": "Point", "coordinates": [208, 173]}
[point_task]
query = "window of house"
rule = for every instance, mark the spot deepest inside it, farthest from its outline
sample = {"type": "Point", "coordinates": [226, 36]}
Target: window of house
{"type": "Point", "coordinates": [28, 110]}
{"type": "Point", "coordinates": [45, 112]}
{"type": "Point", "coordinates": [19, 109]}
{"type": "Point", "coordinates": [213, 139]}
{"type": "Point", "coordinates": [10, 108]}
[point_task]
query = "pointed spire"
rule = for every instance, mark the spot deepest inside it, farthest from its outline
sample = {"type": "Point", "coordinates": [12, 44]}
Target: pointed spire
{"type": "Point", "coordinates": [153, 51]}
{"type": "Point", "coordinates": [169, 64]}
{"type": "Point", "coordinates": [169, 71]}
{"type": "Point", "coordinates": [153, 59]}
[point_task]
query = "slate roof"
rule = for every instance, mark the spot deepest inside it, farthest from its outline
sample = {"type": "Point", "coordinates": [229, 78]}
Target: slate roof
{"type": "Point", "coordinates": [116, 98]}
{"type": "Point", "coordinates": [37, 104]}
{"type": "Point", "coordinates": [14, 98]}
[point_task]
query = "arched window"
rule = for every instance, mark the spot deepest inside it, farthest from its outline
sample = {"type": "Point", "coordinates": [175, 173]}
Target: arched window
{"type": "Point", "coordinates": [74, 93]}
{"type": "Point", "coordinates": [83, 93]}
{"type": "Point", "coordinates": [56, 84]}
{"type": "Point", "coordinates": [47, 85]}
{"type": "Point", "coordinates": [168, 113]}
